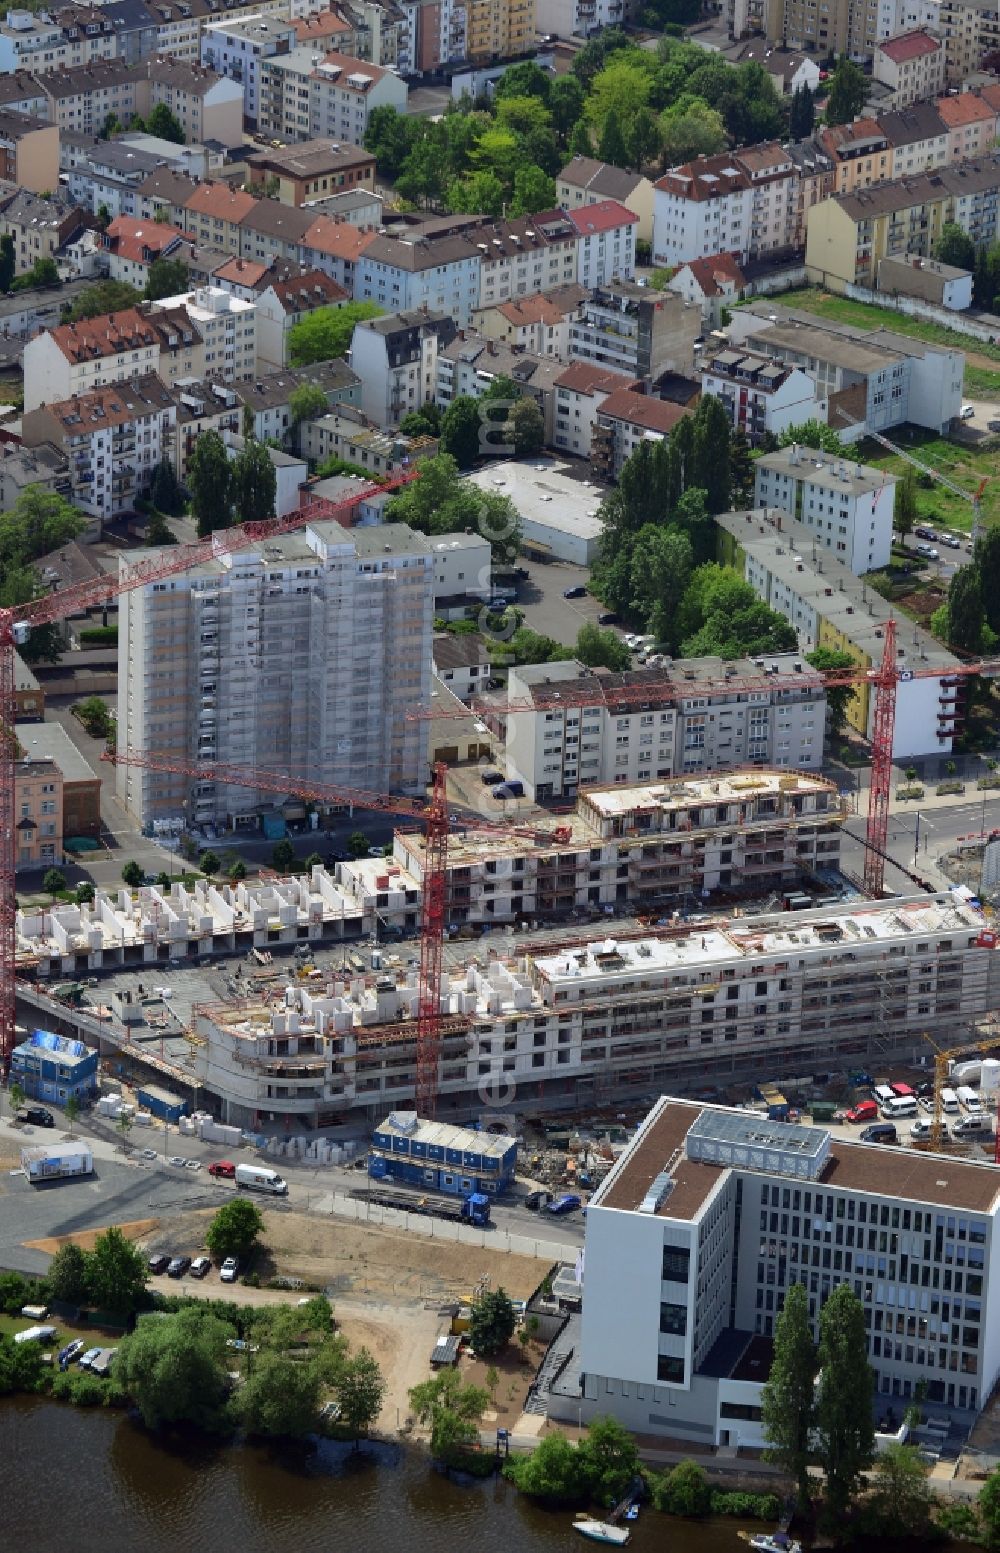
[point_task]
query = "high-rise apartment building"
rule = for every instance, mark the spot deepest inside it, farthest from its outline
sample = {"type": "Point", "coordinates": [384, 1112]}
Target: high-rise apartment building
{"type": "Point", "coordinates": [300, 654]}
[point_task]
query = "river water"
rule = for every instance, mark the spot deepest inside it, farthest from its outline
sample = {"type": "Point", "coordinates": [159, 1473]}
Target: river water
{"type": "Point", "coordinates": [79, 1481]}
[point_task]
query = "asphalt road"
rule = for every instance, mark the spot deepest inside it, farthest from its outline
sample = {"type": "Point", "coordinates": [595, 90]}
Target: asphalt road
{"type": "Point", "coordinates": [940, 826]}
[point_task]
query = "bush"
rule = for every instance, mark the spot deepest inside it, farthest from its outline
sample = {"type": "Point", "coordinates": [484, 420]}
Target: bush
{"type": "Point", "coordinates": [15, 1291]}
{"type": "Point", "coordinates": [960, 1522]}
{"type": "Point", "coordinates": [683, 1491]}
{"type": "Point", "coordinates": [749, 1507]}
{"type": "Point", "coordinates": [99, 636]}
{"type": "Point", "coordinates": [78, 1387]}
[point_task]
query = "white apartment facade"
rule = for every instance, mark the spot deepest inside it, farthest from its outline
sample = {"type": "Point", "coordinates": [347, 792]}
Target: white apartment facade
{"type": "Point", "coordinates": [651, 725]}
{"type": "Point", "coordinates": [701, 208]}
{"type": "Point", "coordinates": [76, 358]}
{"type": "Point", "coordinates": [847, 507]}
{"type": "Point", "coordinates": [235, 49]}
{"type": "Point", "coordinates": [717, 1213]}
{"type": "Point", "coordinates": [760, 396]}
{"type": "Point", "coordinates": [299, 655]}
{"type": "Point", "coordinates": [396, 358]}
{"type": "Point", "coordinates": [226, 324]}
{"type": "Point", "coordinates": [606, 234]}
{"type": "Point", "coordinates": [334, 95]}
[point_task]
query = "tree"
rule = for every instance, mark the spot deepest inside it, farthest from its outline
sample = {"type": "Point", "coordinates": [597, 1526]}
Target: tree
{"type": "Point", "coordinates": [236, 871]}
{"type": "Point", "coordinates": [254, 483]}
{"type": "Point", "coordinates": [461, 431]}
{"type": "Point", "coordinates": [158, 530]}
{"type": "Point", "coordinates": [357, 844]}
{"type": "Point", "coordinates": [904, 512]}
{"type": "Point", "coordinates": [555, 1471]}
{"type": "Point", "coordinates": [326, 333]}
{"type": "Point", "coordinates": [53, 881]}
{"type": "Point", "coordinates": [684, 1490]}
{"type": "Point", "coordinates": [20, 1366]}
{"type": "Point", "coordinates": [132, 874]}
{"type": "Point", "coordinates": [72, 1110]}
{"type": "Point", "coordinates": [390, 137]}
{"type": "Point", "coordinates": [235, 1229]}
{"type": "Point", "coordinates": [741, 470]}
{"type": "Point", "coordinates": [279, 1397]}
{"type": "Point", "coordinates": [901, 1500]}
{"type": "Point", "coordinates": [955, 246]}
{"type": "Point", "coordinates": [989, 1507]}
{"type": "Point", "coordinates": [838, 697]}
{"type": "Point", "coordinates": [491, 1323]}
{"type": "Point", "coordinates": [987, 563]}
{"type": "Point", "coordinates": [526, 427]}
{"type": "Point", "coordinates": [44, 272]}
{"type": "Point", "coordinates": [787, 1400]}
{"type": "Point", "coordinates": [209, 863]}
{"type": "Point", "coordinates": [174, 1368]}
{"type": "Point", "coordinates": [307, 403]}
{"type": "Point", "coordinates": [67, 1275]}
{"type": "Point", "coordinates": [966, 611]}
{"type": "Point", "coordinates": [8, 262]}
{"type": "Point", "coordinates": [16, 1096]}
{"type": "Point", "coordinates": [360, 1392]}
{"type": "Point", "coordinates": [166, 278]}
{"type": "Point", "coordinates": [611, 147]}
{"type": "Point", "coordinates": [210, 481]}
{"type": "Point", "coordinates": [534, 190]}
{"type": "Point", "coordinates": [724, 616]}
{"type": "Point", "coordinates": [84, 893]}
{"type": "Point", "coordinates": [813, 434]}
{"type": "Point", "coordinates": [845, 1432]}
{"type": "Point", "coordinates": [39, 521]}
{"type": "Point", "coordinates": [162, 122]}
{"type": "Point", "coordinates": [482, 192]}
{"type": "Point", "coordinates": [580, 143]}
{"type": "Point", "coordinates": [599, 648]}
{"type": "Point", "coordinates": [425, 422]}
{"type": "Point", "coordinates": [802, 114]}
{"type": "Point", "coordinates": [116, 1273]}
{"type": "Point", "coordinates": [453, 1411]}
{"type": "Point", "coordinates": [565, 104]}
{"type": "Point", "coordinates": [164, 489]}
{"type": "Point", "coordinates": [847, 92]}
{"type": "Point", "coordinates": [689, 129]}
{"type": "Point", "coordinates": [612, 1457]}
{"type": "Point", "coordinates": [525, 79]}
{"type": "Point", "coordinates": [283, 856]}
{"type": "Point", "coordinates": [104, 296]}
{"type": "Point", "coordinates": [711, 469]}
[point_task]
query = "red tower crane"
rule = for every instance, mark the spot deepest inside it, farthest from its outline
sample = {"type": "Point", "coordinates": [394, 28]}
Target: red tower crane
{"type": "Point", "coordinates": [15, 628]}
{"type": "Point", "coordinates": [436, 819]}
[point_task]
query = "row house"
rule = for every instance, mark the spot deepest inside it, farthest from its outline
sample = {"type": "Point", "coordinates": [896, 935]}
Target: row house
{"type": "Point", "coordinates": [469, 365]}
{"type": "Point", "coordinates": [539, 323]}
{"type": "Point", "coordinates": [307, 97]}
{"type": "Point", "coordinates": [859, 152]}
{"type": "Point", "coordinates": [38, 225]}
{"type": "Point", "coordinates": [625, 418]}
{"type": "Point", "coordinates": [581, 391]}
{"type": "Point", "coordinates": [83, 99]}
{"type": "Point", "coordinates": [971, 124]}
{"type": "Point", "coordinates": [56, 40]}
{"type": "Point", "coordinates": [918, 137]}
{"type": "Point", "coordinates": [762, 396]}
{"type": "Point", "coordinates": [606, 234]}
{"type": "Point", "coordinates": [528, 254]}
{"type": "Point", "coordinates": [132, 246]}
{"type": "Point", "coordinates": [744, 203]}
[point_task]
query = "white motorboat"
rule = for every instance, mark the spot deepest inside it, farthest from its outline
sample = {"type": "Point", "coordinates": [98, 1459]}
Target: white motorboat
{"type": "Point", "coordinates": [765, 1542]}
{"type": "Point", "coordinates": [602, 1531]}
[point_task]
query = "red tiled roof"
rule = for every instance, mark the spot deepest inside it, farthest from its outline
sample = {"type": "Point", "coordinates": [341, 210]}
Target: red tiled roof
{"type": "Point", "coordinates": [706, 178]}
{"type": "Point", "coordinates": [625, 404]}
{"type": "Point", "coordinates": [602, 217]}
{"type": "Point", "coordinates": [531, 310]}
{"type": "Point", "coordinates": [242, 272]}
{"type": "Point", "coordinates": [584, 378]}
{"type": "Point", "coordinates": [108, 335]}
{"type": "Point", "coordinates": [220, 202]}
{"type": "Point", "coordinates": [299, 293]}
{"type": "Point", "coordinates": [966, 108]}
{"type": "Point", "coordinates": [141, 241]}
{"type": "Point", "coordinates": [325, 25]}
{"type": "Point", "coordinates": [990, 96]}
{"type": "Point", "coordinates": [711, 272]}
{"type": "Point", "coordinates": [909, 45]}
{"type": "Point", "coordinates": [338, 238]}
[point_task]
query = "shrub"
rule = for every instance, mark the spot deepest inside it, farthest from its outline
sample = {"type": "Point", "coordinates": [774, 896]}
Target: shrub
{"type": "Point", "coordinates": [78, 1387]}
{"type": "Point", "coordinates": [99, 636]}
{"type": "Point", "coordinates": [756, 1507]}
{"type": "Point", "coordinates": [683, 1491]}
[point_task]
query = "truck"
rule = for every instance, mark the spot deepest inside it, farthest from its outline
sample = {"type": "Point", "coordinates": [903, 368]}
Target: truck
{"type": "Point", "coordinates": [56, 1162]}
{"type": "Point", "coordinates": [257, 1178]}
{"type": "Point", "coordinates": [474, 1209]}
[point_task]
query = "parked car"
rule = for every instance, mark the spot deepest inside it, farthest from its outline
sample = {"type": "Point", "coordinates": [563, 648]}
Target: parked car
{"type": "Point", "coordinates": [904, 1091]}
{"type": "Point", "coordinates": [865, 1111]}
{"type": "Point", "coordinates": [879, 1132]}
{"type": "Point", "coordinates": [922, 1128]}
{"type": "Point", "coordinates": [973, 1127]}
{"type": "Point", "coordinates": [87, 1359]}
{"type": "Point", "coordinates": [923, 532]}
{"type": "Point", "coordinates": [928, 552]}
{"type": "Point", "coordinates": [222, 1167]}
{"type": "Point", "coordinates": [968, 411]}
{"type": "Point", "coordinates": [178, 1267]}
{"type": "Point", "coordinates": [565, 1204]}
{"type": "Point", "coordinates": [201, 1266]}
{"type": "Point", "coordinates": [70, 1352]}
{"type": "Point", "coordinates": [536, 1200]}
{"type": "Point", "coordinates": [608, 618]}
{"type": "Point", "coordinates": [158, 1264]}
{"type": "Point", "coordinates": [38, 1116]}
{"type": "Point", "coordinates": [490, 777]}
{"type": "Point", "coordinates": [229, 1269]}
{"type": "Point", "coordinates": [951, 541]}
{"type": "Point", "coordinates": [575, 593]}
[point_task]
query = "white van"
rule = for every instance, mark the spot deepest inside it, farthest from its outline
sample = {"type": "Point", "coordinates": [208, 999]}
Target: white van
{"type": "Point", "coordinates": [973, 1127]}
{"type": "Point", "coordinates": [256, 1178]}
{"type": "Point", "coordinates": [949, 1100]}
{"type": "Point", "coordinates": [970, 1100]}
{"type": "Point", "coordinates": [883, 1094]}
{"type": "Point", "coordinates": [899, 1105]}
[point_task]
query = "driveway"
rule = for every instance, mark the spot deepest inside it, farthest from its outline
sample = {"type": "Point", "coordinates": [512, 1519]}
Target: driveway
{"type": "Point", "coordinates": [540, 596]}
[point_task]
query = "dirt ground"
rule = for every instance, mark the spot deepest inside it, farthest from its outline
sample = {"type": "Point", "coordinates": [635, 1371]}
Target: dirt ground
{"type": "Point", "coordinates": [516, 1369]}
{"type": "Point", "coordinates": [138, 1229]}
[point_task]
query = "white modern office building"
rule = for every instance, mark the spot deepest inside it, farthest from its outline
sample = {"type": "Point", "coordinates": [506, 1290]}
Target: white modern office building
{"type": "Point", "coordinates": [300, 654]}
{"type": "Point", "coordinates": [716, 1212]}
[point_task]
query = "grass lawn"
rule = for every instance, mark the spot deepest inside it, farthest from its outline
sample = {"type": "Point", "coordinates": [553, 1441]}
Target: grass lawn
{"type": "Point", "coordinates": [966, 467]}
{"type": "Point", "coordinates": [980, 382]}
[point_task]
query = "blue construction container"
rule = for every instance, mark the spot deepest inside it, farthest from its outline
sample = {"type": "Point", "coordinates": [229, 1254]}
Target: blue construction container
{"type": "Point", "coordinates": [168, 1107]}
{"type": "Point", "coordinates": [55, 1068]}
{"type": "Point", "coordinates": [443, 1158]}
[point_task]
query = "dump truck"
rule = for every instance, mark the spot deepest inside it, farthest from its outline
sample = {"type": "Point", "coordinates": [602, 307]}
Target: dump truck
{"type": "Point", "coordinates": [473, 1209]}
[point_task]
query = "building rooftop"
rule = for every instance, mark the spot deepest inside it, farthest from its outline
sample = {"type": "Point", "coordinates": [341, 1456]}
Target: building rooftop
{"type": "Point", "coordinates": [628, 405]}
{"type": "Point", "coordinates": [272, 390]}
{"type": "Point", "coordinates": [603, 216]}
{"type": "Point", "coordinates": [706, 178]}
{"type": "Point", "coordinates": [909, 45]}
{"type": "Point", "coordinates": [442, 1135]}
{"type": "Point", "coordinates": [111, 334]}
{"type": "Point", "coordinates": [310, 158]}
{"type": "Point", "coordinates": [613, 800]}
{"type": "Point", "coordinates": [543, 493]}
{"type": "Point", "coordinates": [910, 125]}
{"type": "Point", "coordinates": [964, 108]}
{"type": "Point", "coordinates": [584, 377]}
{"type": "Point", "coordinates": [658, 1167]}
{"type": "Point", "coordinates": [789, 551]}
{"type": "Point", "coordinates": [663, 686]}
{"type": "Point", "coordinates": [825, 471]}
{"type": "Point", "coordinates": [586, 172]}
{"type": "Point", "coordinates": [916, 261]}
{"type": "Point", "coordinates": [221, 202]}
{"type": "Point", "coordinates": [50, 741]}
{"type": "Point", "coordinates": [977, 175]}
{"type": "Point", "coordinates": [460, 652]}
{"type": "Point", "coordinates": [714, 273]}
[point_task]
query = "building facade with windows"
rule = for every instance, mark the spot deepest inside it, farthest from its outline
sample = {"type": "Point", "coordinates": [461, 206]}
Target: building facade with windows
{"type": "Point", "coordinates": [847, 507]}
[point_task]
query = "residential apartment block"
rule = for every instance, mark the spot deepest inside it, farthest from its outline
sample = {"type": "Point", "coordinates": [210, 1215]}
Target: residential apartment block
{"type": "Point", "coordinates": [301, 654]}
{"type": "Point", "coordinates": [741, 203]}
{"type": "Point", "coordinates": [761, 396]}
{"type": "Point", "coordinates": [539, 323]}
{"type": "Point", "coordinates": [623, 419]}
{"type": "Point", "coordinates": [347, 433]}
{"type": "Point", "coordinates": [585, 729]}
{"type": "Point", "coordinates": [911, 65]}
{"type": "Point", "coordinates": [226, 325]}
{"type": "Point", "coordinates": [235, 49]}
{"type": "Point", "coordinates": [38, 806]}
{"type": "Point", "coordinates": [848, 235]}
{"type": "Point", "coordinates": [848, 507]}
{"type": "Point", "coordinates": [830, 607]}
{"type": "Point", "coordinates": [314, 170]}
{"type": "Point", "coordinates": [585, 181]}
{"type": "Point", "coordinates": [717, 1213]}
{"type": "Point", "coordinates": [625, 328]}
{"type": "Point", "coordinates": [302, 98]}
{"type": "Point", "coordinates": [606, 233]}
{"type": "Point", "coordinates": [112, 437]}
{"type": "Point", "coordinates": [396, 357]}
{"type": "Point", "coordinates": [29, 152]}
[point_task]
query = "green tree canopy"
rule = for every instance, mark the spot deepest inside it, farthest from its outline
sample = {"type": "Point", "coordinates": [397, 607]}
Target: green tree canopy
{"type": "Point", "coordinates": [164, 489]}
{"type": "Point", "coordinates": [684, 1490]}
{"type": "Point", "coordinates": [601, 648]}
{"type": "Point", "coordinates": [116, 1273]}
{"type": "Point", "coordinates": [525, 79]}
{"type": "Point", "coordinates": [492, 1322]}
{"type": "Point", "coordinates": [67, 1277]}
{"type": "Point", "coordinates": [526, 427]}
{"type": "Point", "coordinates": [235, 1229]}
{"type": "Point", "coordinates": [480, 193]}
{"type": "Point", "coordinates": [966, 611]}
{"type": "Point", "coordinates": [163, 122]}
{"type": "Point", "coordinates": [307, 402]}
{"type": "Point", "coordinates": [8, 262]}
{"type": "Point", "coordinates": [847, 92]}
{"type": "Point", "coordinates": [845, 1431]}
{"type": "Point", "coordinates": [534, 190]}
{"type": "Point", "coordinates": [788, 1398]}
{"type": "Point", "coordinates": [390, 137]}
{"type": "Point", "coordinates": [132, 874]}
{"type": "Point", "coordinates": [728, 619]}
{"type": "Point", "coordinates": [838, 697]}
{"type": "Point", "coordinates": [167, 278]}
{"type": "Point", "coordinates": [461, 428]}
{"type": "Point", "coordinates": [555, 1471]}
{"type": "Point", "coordinates": [360, 1391]}
{"type": "Point", "coordinates": [174, 1368]}
{"type": "Point", "coordinates": [801, 114]}
{"type": "Point", "coordinates": [987, 563]}
{"type": "Point", "coordinates": [326, 333]}
{"type": "Point", "coordinates": [904, 512]}
{"type": "Point", "coordinates": [453, 1409]}
{"type": "Point", "coordinates": [814, 434]}
{"type": "Point", "coordinates": [254, 483]}
{"type": "Point", "coordinates": [104, 296]}
{"type": "Point", "coordinates": [955, 246]}
{"type": "Point", "coordinates": [901, 1499]}
{"type": "Point", "coordinates": [690, 128]}
{"type": "Point", "coordinates": [210, 481]}
{"type": "Point", "coordinates": [279, 1397]}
